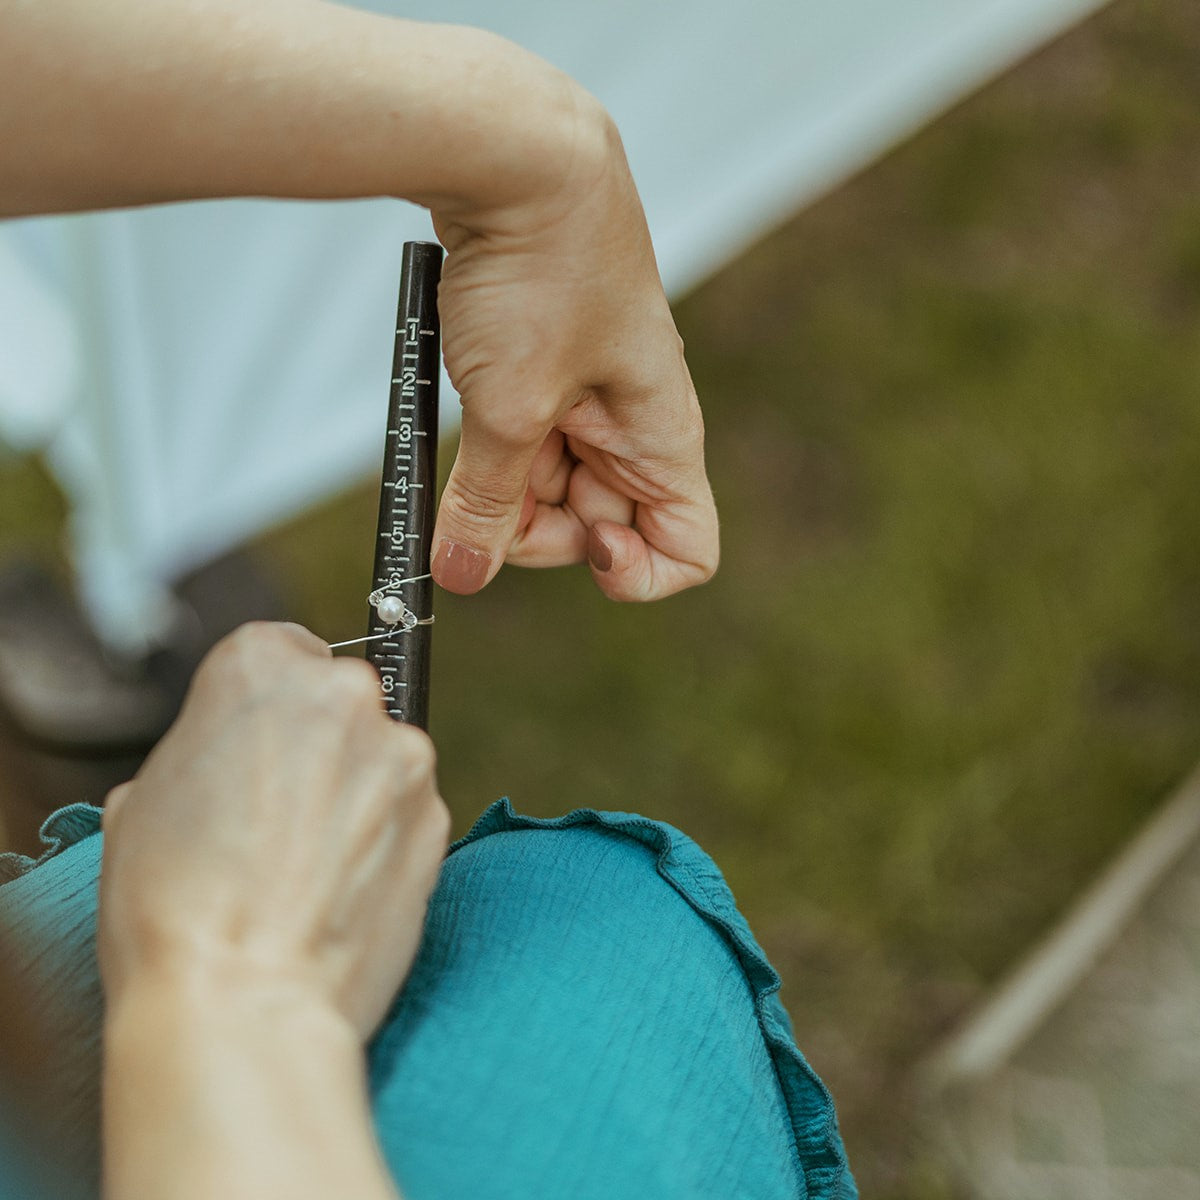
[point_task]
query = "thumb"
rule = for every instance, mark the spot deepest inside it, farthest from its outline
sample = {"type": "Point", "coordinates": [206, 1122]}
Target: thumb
{"type": "Point", "coordinates": [481, 505]}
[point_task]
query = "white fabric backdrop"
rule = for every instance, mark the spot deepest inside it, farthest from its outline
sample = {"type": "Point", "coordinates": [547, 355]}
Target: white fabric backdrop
{"type": "Point", "coordinates": [198, 372]}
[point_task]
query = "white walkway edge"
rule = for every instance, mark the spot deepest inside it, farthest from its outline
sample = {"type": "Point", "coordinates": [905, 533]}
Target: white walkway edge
{"type": "Point", "coordinates": [1023, 1001]}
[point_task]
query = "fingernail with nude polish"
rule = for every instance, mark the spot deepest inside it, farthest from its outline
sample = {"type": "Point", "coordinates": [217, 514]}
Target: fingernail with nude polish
{"type": "Point", "coordinates": [599, 552]}
{"type": "Point", "coordinates": [459, 568]}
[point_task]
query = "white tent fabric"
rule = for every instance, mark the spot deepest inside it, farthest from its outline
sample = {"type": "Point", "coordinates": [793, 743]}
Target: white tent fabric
{"type": "Point", "coordinates": [198, 372]}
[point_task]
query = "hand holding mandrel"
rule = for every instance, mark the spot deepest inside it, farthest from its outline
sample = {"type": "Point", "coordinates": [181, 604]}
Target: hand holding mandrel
{"type": "Point", "coordinates": [582, 437]}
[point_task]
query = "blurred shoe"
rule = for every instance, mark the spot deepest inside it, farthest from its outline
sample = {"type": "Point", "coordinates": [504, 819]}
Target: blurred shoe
{"type": "Point", "coordinates": [76, 719]}
{"type": "Point", "coordinates": [59, 686]}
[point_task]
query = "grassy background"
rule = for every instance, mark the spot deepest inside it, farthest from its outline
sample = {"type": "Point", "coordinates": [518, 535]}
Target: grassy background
{"type": "Point", "coordinates": [952, 658]}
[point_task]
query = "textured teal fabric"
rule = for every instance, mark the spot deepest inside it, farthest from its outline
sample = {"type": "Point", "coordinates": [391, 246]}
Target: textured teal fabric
{"type": "Point", "coordinates": [47, 938]}
{"type": "Point", "coordinates": [589, 1017]}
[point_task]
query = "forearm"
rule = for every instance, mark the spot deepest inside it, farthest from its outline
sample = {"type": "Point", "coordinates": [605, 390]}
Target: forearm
{"type": "Point", "coordinates": [122, 102]}
{"type": "Point", "coordinates": [234, 1094]}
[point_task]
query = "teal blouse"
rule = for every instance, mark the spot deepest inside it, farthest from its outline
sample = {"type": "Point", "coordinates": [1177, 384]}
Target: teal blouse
{"type": "Point", "coordinates": [590, 1017]}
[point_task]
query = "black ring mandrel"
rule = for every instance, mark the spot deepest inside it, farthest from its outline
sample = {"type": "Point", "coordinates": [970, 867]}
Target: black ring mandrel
{"type": "Point", "coordinates": [408, 495]}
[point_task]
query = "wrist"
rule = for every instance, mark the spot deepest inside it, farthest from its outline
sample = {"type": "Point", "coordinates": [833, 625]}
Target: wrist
{"type": "Point", "coordinates": [186, 1000]}
{"type": "Point", "coordinates": [518, 134]}
{"type": "Point", "coordinates": [239, 1091]}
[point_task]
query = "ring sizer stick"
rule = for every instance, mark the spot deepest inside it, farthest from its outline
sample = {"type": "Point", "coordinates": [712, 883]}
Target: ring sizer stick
{"type": "Point", "coordinates": [398, 636]}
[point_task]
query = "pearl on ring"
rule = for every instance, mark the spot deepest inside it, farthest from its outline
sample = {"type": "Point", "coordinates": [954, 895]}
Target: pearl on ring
{"type": "Point", "coordinates": [391, 610]}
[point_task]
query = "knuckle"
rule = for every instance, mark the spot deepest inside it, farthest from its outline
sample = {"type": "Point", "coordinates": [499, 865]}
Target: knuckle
{"type": "Point", "coordinates": [512, 430]}
{"type": "Point", "coordinates": [259, 637]}
{"type": "Point", "coordinates": [439, 820]}
{"type": "Point", "coordinates": [501, 435]}
{"type": "Point", "coordinates": [117, 794]}
{"type": "Point", "coordinates": [112, 803]}
{"type": "Point", "coordinates": [222, 664]}
{"type": "Point", "coordinates": [351, 682]}
{"type": "Point", "coordinates": [414, 751]}
{"type": "Point", "coordinates": [710, 560]}
{"type": "Point", "coordinates": [242, 653]}
{"type": "Point", "coordinates": [432, 821]}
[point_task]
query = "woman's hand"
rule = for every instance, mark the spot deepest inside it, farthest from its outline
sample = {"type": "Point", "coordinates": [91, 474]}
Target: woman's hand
{"type": "Point", "coordinates": [262, 896]}
{"type": "Point", "coordinates": [280, 842]}
{"type": "Point", "coordinates": [581, 432]}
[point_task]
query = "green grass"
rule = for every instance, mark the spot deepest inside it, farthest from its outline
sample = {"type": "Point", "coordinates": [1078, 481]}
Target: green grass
{"type": "Point", "coordinates": [31, 512]}
{"type": "Point", "coordinates": [952, 658]}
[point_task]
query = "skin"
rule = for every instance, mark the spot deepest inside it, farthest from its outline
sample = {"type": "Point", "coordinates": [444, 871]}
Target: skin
{"type": "Point", "coordinates": [266, 873]}
{"type": "Point", "coordinates": [581, 429]}
{"type": "Point", "coordinates": [263, 888]}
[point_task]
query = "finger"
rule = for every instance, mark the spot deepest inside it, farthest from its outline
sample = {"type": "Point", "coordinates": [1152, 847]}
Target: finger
{"type": "Point", "coordinates": [663, 552]}
{"type": "Point", "coordinates": [248, 659]}
{"type": "Point", "coordinates": [596, 500]}
{"type": "Point", "coordinates": [267, 637]}
{"type": "Point", "coordinates": [304, 639]}
{"type": "Point", "coordinates": [528, 508]}
{"type": "Point", "coordinates": [554, 537]}
{"type": "Point", "coordinates": [481, 504]}
{"type": "Point", "coordinates": [549, 478]}
{"type": "Point", "coordinates": [550, 475]}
